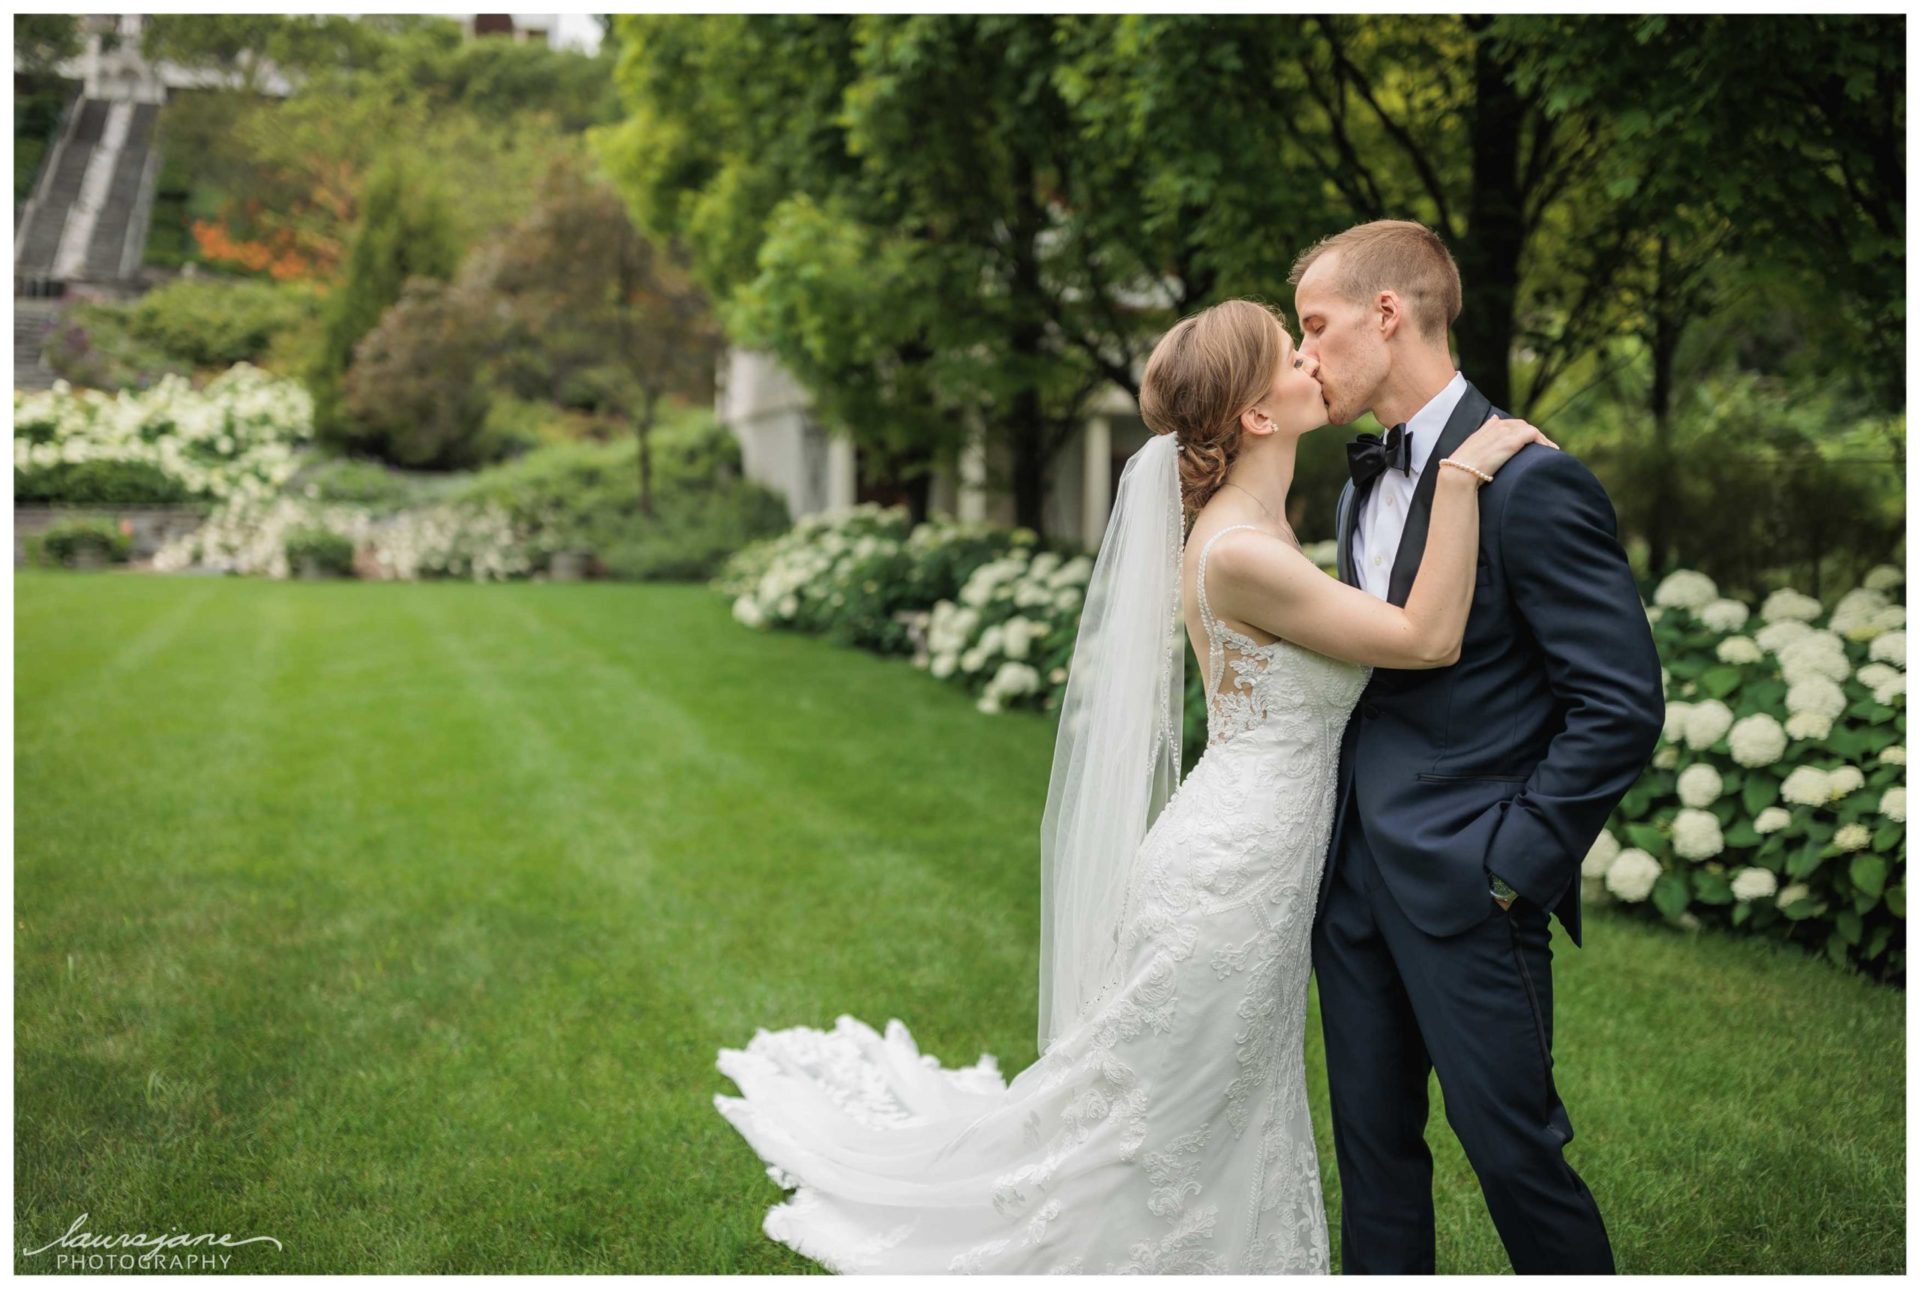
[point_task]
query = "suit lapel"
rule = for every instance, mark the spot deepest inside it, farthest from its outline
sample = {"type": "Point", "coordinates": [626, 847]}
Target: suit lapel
{"type": "Point", "coordinates": [1343, 524]}
{"type": "Point", "coordinates": [1468, 414]}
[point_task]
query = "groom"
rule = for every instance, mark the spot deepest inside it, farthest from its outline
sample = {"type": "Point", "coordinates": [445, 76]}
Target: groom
{"type": "Point", "coordinates": [1468, 794]}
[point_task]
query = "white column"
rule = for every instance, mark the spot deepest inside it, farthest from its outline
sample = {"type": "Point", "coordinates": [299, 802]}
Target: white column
{"type": "Point", "coordinates": [841, 479]}
{"type": "Point", "coordinates": [973, 482]}
{"type": "Point", "coordinates": [1096, 480]}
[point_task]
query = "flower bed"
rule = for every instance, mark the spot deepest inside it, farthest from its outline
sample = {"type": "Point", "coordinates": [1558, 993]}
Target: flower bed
{"type": "Point", "coordinates": [251, 532]}
{"type": "Point", "coordinates": [242, 429]}
{"type": "Point", "coordinates": [862, 574]}
{"type": "Point", "coordinates": [1776, 801]}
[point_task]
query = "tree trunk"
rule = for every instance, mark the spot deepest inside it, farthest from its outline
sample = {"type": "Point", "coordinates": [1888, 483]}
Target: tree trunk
{"type": "Point", "coordinates": [1029, 461]}
{"type": "Point", "coordinates": [1028, 423]}
{"type": "Point", "coordinates": [1666, 339]}
{"type": "Point", "coordinates": [1489, 254]}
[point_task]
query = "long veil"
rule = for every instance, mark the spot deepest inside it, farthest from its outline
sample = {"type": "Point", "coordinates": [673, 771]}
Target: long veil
{"type": "Point", "coordinates": [1116, 757]}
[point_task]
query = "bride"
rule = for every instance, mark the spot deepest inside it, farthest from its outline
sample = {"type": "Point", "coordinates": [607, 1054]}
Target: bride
{"type": "Point", "coordinates": [1165, 1126]}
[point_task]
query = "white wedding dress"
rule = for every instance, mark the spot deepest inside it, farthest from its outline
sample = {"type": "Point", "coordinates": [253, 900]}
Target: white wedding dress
{"type": "Point", "coordinates": [1166, 1129]}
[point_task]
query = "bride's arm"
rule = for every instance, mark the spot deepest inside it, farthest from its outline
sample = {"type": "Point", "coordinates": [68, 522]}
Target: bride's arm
{"type": "Point", "coordinates": [1262, 580]}
{"type": "Point", "coordinates": [1269, 583]}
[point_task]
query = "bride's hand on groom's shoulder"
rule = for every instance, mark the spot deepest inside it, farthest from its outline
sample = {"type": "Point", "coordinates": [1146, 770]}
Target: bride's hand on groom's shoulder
{"type": "Point", "coordinates": [1493, 444]}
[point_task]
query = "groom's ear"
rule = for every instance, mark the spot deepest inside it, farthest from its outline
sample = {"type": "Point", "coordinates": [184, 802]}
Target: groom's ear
{"type": "Point", "coordinates": [1391, 314]}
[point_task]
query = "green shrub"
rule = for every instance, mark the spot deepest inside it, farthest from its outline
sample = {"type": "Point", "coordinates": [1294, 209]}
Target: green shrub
{"type": "Point", "coordinates": [215, 322]}
{"type": "Point", "coordinates": [321, 549]}
{"type": "Point", "coordinates": [372, 484]}
{"type": "Point", "coordinates": [1763, 484]}
{"type": "Point", "coordinates": [68, 542]}
{"type": "Point", "coordinates": [93, 346]}
{"type": "Point", "coordinates": [98, 483]}
{"type": "Point", "coordinates": [586, 497]}
{"type": "Point", "coordinates": [694, 532]}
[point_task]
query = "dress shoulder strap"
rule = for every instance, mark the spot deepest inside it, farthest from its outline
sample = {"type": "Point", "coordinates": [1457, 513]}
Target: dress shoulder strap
{"type": "Point", "coordinates": [1200, 580]}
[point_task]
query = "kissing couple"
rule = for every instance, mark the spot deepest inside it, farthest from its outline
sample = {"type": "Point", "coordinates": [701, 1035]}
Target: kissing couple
{"type": "Point", "coordinates": [1405, 765]}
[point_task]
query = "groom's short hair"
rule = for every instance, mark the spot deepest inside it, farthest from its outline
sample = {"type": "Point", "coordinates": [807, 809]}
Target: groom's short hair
{"type": "Point", "coordinates": [1393, 255]}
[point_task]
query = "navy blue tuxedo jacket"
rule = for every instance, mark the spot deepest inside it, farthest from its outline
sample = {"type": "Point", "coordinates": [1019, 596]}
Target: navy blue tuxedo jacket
{"type": "Point", "coordinates": [1510, 760]}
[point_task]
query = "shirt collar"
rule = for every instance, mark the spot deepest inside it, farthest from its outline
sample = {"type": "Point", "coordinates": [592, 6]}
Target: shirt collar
{"type": "Point", "coordinates": [1427, 424]}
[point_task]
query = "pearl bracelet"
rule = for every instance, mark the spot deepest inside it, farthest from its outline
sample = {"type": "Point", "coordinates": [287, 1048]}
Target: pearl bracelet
{"type": "Point", "coordinates": [1481, 475]}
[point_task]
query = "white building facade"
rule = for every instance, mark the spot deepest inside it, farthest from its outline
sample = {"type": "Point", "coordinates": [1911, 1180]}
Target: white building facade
{"type": "Point", "coordinates": [785, 447]}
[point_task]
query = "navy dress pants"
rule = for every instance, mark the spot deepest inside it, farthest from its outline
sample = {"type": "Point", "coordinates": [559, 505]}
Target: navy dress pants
{"type": "Point", "coordinates": [1477, 1008]}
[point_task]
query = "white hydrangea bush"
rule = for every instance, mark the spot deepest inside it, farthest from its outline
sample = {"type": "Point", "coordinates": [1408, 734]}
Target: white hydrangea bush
{"type": "Point", "coordinates": [1011, 628]}
{"type": "Point", "coordinates": [244, 430]}
{"type": "Point", "coordinates": [449, 541]}
{"type": "Point", "coordinates": [867, 575]}
{"type": "Point", "coordinates": [248, 535]}
{"type": "Point", "coordinates": [1776, 800]}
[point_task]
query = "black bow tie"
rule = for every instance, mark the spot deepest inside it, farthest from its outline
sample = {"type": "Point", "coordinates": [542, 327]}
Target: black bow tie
{"type": "Point", "coordinates": [1368, 455]}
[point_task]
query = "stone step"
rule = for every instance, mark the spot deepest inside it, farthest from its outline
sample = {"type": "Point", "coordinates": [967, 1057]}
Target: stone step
{"type": "Point", "coordinates": [32, 321]}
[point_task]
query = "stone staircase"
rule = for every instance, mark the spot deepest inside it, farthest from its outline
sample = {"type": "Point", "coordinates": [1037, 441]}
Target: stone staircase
{"type": "Point", "coordinates": [87, 219]}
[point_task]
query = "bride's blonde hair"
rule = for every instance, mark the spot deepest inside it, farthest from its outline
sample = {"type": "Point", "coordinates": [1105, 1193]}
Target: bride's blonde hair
{"type": "Point", "coordinates": [1210, 367]}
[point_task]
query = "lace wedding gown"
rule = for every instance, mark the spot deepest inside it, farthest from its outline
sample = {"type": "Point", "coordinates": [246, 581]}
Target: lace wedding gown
{"type": "Point", "coordinates": [1166, 1129]}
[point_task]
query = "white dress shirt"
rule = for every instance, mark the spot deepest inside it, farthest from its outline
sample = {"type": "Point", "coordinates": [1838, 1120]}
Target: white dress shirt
{"type": "Point", "coordinates": [1383, 511]}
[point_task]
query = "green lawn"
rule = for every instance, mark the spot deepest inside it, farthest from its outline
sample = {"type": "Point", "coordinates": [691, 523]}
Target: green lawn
{"type": "Point", "coordinates": [402, 923]}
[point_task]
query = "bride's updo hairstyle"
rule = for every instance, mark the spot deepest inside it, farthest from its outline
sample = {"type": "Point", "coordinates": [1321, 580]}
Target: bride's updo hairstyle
{"type": "Point", "coordinates": [1210, 367]}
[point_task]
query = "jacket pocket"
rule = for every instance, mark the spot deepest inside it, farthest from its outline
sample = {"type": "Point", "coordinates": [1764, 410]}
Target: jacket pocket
{"type": "Point", "coordinates": [1473, 778]}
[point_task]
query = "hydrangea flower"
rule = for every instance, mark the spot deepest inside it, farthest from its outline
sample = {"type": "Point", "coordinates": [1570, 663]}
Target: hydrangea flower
{"type": "Point", "coordinates": [1883, 577]}
{"type": "Point", "coordinates": [1737, 650]}
{"type": "Point", "coordinates": [1890, 647]}
{"type": "Point", "coordinates": [1675, 728]}
{"type": "Point", "coordinates": [1790, 893]}
{"type": "Point", "coordinates": [1776, 636]}
{"type": "Point", "coordinates": [1600, 855]}
{"type": "Point", "coordinates": [1754, 884]}
{"type": "Point", "coordinates": [1786, 604]}
{"type": "Point", "coordinates": [1889, 693]}
{"type": "Point", "coordinates": [1632, 874]}
{"type": "Point", "coordinates": [1806, 786]}
{"type": "Point", "coordinates": [1707, 723]}
{"type": "Point", "coordinates": [1666, 758]}
{"type": "Point", "coordinates": [1844, 781]}
{"type": "Point", "coordinates": [1809, 725]}
{"type": "Point", "coordinates": [1818, 653]}
{"type": "Point", "coordinates": [1756, 740]}
{"type": "Point", "coordinates": [1894, 754]}
{"type": "Point", "coordinates": [1855, 610]}
{"type": "Point", "coordinates": [1696, 835]}
{"type": "Point", "coordinates": [1771, 820]}
{"type": "Point", "coordinates": [1893, 804]}
{"type": "Point", "coordinates": [1816, 694]}
{"type": "Point", "coordinates": [1876, 674]}
{"type": "Point", "coordinates": [1852, 837]}
{"type": "Point", "coordinates": [1724, 615]}
{"type": "Point", "coordinates": [1685, 589]}
{"type": "Point", "coordinates": [1699, 785]}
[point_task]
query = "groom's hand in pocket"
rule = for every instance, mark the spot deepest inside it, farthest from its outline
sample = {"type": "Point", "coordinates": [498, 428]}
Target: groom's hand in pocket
{"type": "Point", "coordinates": [1503, 894]}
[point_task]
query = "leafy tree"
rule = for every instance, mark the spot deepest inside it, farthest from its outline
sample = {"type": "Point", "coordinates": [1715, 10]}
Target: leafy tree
{"type": "Point", "coordinates": [415, 392]}
{"type": "Point", "coordinates": [405, 231]}
{"type": "Point", "coordinates": [41, 41]}
{"type": "Point", "coordinates": [595, 313]}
